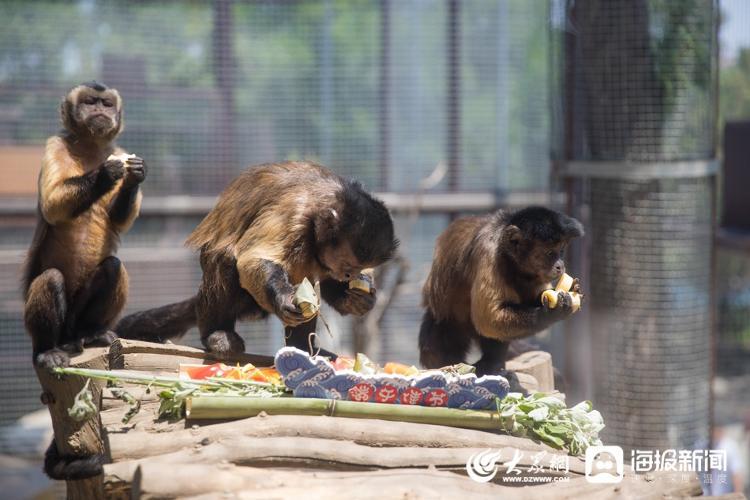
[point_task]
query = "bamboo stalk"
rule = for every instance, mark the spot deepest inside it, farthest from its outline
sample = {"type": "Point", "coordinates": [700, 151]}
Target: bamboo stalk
{"type": "Point", "coordinates": [158, 380]}
{"type": "Point", "coordinates": [222, 407]}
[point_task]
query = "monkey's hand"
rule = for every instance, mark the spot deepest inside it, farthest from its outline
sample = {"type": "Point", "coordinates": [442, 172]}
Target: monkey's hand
{"type": "Point", "coordinates": [356, 301]}
{"type": "Point", "coordinates": [289, 313]}
{"type": "Point", "coordinates": [564, 306]}
{"type": "Point", "coordinates": [135, 171]}
{"type": "Point", "coordinates": [577, 289]}
{"type": "Point", "coordinates": [52, 359]}
{"type": "Point", "coordinates": [113, 169]}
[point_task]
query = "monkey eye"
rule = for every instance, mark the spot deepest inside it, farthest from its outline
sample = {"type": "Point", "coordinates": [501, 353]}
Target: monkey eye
{"type": "Point", "coordinates": [90, 100]}
{"type": "Point", "coordinates": [107, 103]}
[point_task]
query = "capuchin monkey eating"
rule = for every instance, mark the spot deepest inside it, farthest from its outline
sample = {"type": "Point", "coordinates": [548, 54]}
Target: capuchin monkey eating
{"type": "Point", "coordinates": [74, 286]}
{"type": "Point", "coordinates": [273, 226]}
{"type": "Point", "coordinates": [485, 284]}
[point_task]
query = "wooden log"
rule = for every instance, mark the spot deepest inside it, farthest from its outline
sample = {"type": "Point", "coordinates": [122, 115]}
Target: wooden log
{"type": "Point", "coordinates": [110, 401]}
{"type": "Point", "coordinates": [206, 481]}
{"type": "Point", "coordinates": [162, 481]}
{"type": "Point", "coordinates": [527, 382]}
{"type": "Point", "coordinates": [318, 453]}
{"type": "Point", "coordinates": [136, 444]}
{"type": "Point", "coordinates": [537, 364]}
{"type": "Point", "coordinates": [146, 418]}
{"type": "Point", "coordinates": [73, 438]}
{"type": "Point", "coordinates": [410, 485]}
{"type": "Point", "coordinates": [140, 355]}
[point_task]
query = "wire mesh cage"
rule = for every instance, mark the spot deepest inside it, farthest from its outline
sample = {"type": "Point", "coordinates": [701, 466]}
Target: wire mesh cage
{"type": "Point", "coordinates": [212, 86]}
{"type": "Point", "coordinates": [638, 82]}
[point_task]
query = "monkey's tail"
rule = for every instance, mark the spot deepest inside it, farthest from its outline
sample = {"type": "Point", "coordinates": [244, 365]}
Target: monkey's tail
{"type": "Point", "coordinates": [159, 324]}
{"type": "Point", "coordinates": [63, 467]}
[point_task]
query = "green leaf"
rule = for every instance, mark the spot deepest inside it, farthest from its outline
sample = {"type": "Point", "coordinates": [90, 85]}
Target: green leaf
{"type": "Point", "coordinates": [83, 405]}
{"type": "Point", "coordinates": [539, 414]}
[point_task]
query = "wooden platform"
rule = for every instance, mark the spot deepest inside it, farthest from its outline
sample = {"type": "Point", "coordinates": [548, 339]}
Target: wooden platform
{"type": "Point", "coordinates": [306, 456]}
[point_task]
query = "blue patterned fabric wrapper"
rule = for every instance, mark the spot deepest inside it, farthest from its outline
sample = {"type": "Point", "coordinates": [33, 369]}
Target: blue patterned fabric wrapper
{"type": "Point", "coordinates": [316, 378]}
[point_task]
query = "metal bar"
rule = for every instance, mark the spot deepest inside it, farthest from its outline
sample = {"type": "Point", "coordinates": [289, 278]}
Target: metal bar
{"type": "Point", "coordinates": [223, 67]}
{"type": "Point", "coordinates": [636, 170]}
{"type": "Point", "coordinates": [326, 83]}
{"type": "Point", "coordinates": [398, 202]}
{"type": "Point", "coordinates": [385, 78]}
{"type": "Point", "coordinates": [453, 134]}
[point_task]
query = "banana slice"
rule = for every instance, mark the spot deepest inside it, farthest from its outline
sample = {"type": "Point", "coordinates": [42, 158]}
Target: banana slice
{"type": "Point", "coordinates": [549, 297]}
{"type": "Point", "coordinates": [363, 281]}
{"type": "Point", "coordinates": [565, 283]}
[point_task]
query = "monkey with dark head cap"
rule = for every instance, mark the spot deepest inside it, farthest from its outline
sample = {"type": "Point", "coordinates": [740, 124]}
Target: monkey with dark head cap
{"type": "Point", "coordinates": [74, 286]}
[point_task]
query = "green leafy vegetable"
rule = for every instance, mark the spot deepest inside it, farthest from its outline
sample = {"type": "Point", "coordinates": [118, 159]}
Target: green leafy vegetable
{"type": "Point", "coordinates": [173, 394]}
{"type": "Point", "coordinates": [546, 418]}
{"type": "Point", "coordinates": [83, 405]}
{"type": "Point", "coordinates": [135, 404]}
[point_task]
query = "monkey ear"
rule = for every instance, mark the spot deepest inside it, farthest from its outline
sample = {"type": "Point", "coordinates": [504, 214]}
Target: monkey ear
{"type": "Point", "coordinates": [512, 235]}
{"type": "Point", "coordinates": [572, 228]}
{"type": "Point", "coordinates": [326, 226]}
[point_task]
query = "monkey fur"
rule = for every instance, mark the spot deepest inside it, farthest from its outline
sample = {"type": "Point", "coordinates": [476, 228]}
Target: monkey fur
{"type": "Point", "coordinates": [273, 226]}
{"type": "Point", "coordinates": [484, 286]}
{"type": "Point", "coordinates": [74, 286]}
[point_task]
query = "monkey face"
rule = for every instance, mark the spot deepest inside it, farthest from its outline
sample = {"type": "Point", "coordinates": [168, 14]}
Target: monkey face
{"type": "Point", "coordinates": [93, 110]}
{"type": "Point", "coordinates": [98, 112]}
{"type": "Point", "coordinates": [544, 260]}
{"type": "Point", "coordinates": [340, 262]}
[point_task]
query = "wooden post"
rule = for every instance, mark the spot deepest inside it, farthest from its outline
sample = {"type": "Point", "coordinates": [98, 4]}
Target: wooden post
{"type": "Point", "coordinates": [535, 363]}
{"type": "Point", "coordinates": [76, 438]}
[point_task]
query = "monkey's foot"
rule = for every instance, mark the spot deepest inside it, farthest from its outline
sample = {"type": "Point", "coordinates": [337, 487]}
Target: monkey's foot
{"type": "Point", "coordinates": [489, 367]}
{"type": "Point", "coordinates": [222, 342]}
{"type": "Point", "coordinates": [53, 358]}
{"type": "Point", "coordinates": [101, 339]}
{"type": "Point", "coordinates": [328, 354]}
{"type": "Point", "coordinates": [512, 378]}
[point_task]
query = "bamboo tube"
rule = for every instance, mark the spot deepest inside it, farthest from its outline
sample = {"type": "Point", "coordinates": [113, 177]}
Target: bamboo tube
{"type": "Point", "coordinates": [223, 407]}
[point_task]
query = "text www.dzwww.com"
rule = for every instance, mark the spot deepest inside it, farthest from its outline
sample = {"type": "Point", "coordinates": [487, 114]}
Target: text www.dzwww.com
{"type": "Point", "coordinates": [534, 479]}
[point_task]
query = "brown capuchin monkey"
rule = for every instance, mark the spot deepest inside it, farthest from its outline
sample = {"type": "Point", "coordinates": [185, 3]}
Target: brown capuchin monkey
{"type": "Point", "coordinates": [74, 286]}
{"type": "Point", "coordinates": [275, 225]}
{"type": "Point", "coordinates": [485, 284]}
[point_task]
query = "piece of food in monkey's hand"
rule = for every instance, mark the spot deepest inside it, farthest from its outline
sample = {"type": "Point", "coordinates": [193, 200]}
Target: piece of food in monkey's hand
{"type": "Point", "coordinates": [565, 283]}
{"type": "Point", "coordinates": [122, 157]}
{"type": "Point", "coordinates": [306, 299]}
{"type": "Point", "coordinates": [362, 282]}
{"type": "Point", "coordinates": [576, 301]}
{"type": "Point", "coordinates": [549, 299]}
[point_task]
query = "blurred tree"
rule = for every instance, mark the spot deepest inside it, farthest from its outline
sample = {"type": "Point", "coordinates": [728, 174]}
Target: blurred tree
{"type": "Point", "coordinates": [734, 88]}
